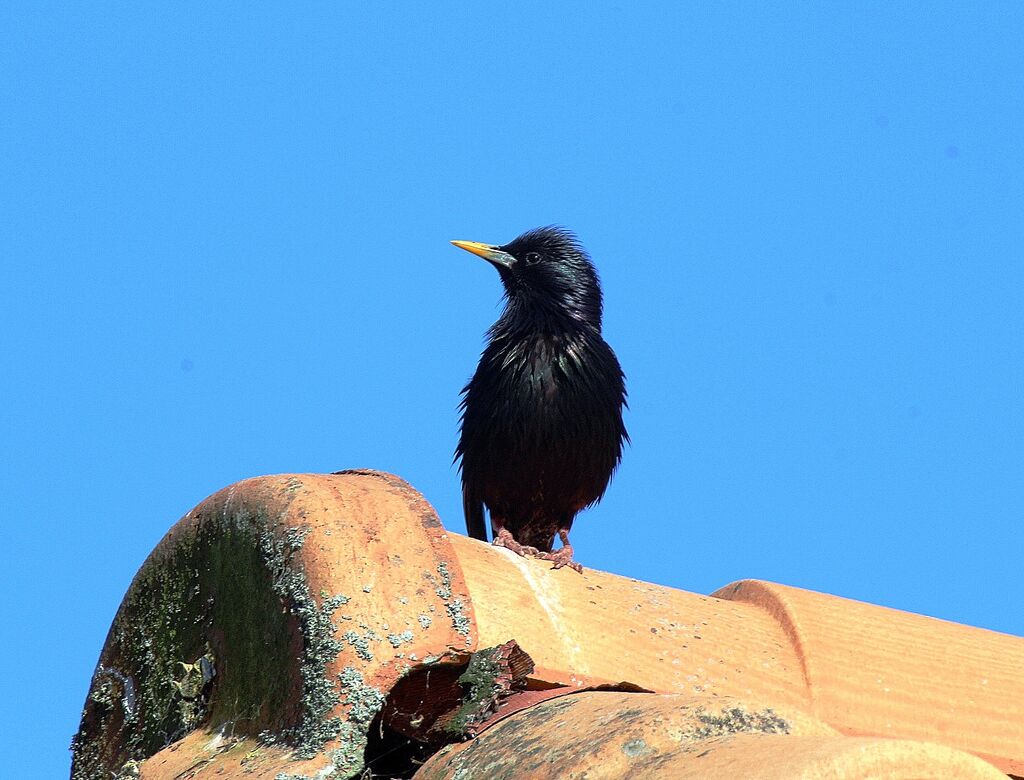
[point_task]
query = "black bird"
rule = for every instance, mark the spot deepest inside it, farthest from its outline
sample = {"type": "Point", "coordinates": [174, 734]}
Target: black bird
{"type": "Point", "coordinates": [542, 427]}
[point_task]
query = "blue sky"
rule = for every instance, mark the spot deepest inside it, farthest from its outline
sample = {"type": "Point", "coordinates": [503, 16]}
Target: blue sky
{"type": "Point", "coordinates": [225, 232]}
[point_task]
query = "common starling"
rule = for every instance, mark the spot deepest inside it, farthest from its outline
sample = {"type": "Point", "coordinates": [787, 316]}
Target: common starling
{"type": "Point", "coordinates": [542, 427]}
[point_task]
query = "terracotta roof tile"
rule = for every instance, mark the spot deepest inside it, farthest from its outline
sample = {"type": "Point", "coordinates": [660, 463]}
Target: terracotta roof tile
{"type": "Point", "coordinates": [601, 627]}
{"type": "Point", "coordinates": [615, 735]}
{"type": "Point", "coordinates": [285, 616]}
{"type": "Point", "coordinates": [879, 671]}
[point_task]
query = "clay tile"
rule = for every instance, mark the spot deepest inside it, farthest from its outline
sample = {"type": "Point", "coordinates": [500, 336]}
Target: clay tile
{"type": "Point", "coordinates": [602, 736]}
{"type": "Point", "coordinates": [871, 670]}
{"type": "Point", "coordinates": [327, 625]}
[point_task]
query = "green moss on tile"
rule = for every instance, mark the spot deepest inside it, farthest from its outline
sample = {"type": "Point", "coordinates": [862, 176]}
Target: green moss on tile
{"type": "Point", "coordinates": [480, 686]}
{"type": "Point", "coordinates": [736, 720]}
{"type": "Point", "coordinates": [225, 590]}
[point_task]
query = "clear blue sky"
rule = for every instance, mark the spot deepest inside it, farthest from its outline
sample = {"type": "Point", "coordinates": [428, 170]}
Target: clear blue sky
{"type": "Point", "coordinates": [225, 232]}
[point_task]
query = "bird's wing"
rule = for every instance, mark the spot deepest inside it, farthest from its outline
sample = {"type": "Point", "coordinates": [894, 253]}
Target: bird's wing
{"type": "Point", "coordinates": [473, 508]}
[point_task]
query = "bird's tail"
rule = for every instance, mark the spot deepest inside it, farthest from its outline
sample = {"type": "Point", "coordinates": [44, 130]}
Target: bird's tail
{"type": "Point", "coordinates": [473, 508]}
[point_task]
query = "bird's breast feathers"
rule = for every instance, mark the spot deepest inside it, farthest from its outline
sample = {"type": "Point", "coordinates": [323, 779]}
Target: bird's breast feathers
{"type": "Point", "coordinates": [553, 375]}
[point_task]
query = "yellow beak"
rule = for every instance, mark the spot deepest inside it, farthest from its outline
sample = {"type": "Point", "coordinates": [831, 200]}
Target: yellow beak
{"type": "Point", "coordinates": [489, 253]}
{"type": "Point", "coordinates": [483, 250]}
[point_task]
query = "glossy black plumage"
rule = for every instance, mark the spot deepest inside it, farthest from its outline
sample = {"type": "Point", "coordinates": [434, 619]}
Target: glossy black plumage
{"type": "Point", "coordinates": [542, 426]}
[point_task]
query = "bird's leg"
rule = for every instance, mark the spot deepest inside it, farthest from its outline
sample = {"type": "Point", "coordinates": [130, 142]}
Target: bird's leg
{"type": "Point", "coordinates": [563, 555]}
{"type": "Point", "coordinates": [503, 538]}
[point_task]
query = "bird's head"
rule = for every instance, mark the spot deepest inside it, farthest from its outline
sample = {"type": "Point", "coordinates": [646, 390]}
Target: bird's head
{"type": "Point", "coordinates": [546, 273]}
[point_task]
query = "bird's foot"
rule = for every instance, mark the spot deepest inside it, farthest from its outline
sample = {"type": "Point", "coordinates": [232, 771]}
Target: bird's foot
{"type": "Point", "coordinates": [506, 540]}
{"type": "Point", "coordinates": [562, 557]}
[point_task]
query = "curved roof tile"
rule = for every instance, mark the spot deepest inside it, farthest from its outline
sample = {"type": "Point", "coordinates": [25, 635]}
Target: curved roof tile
{"type": "Point", "coordinates": [279, 625]}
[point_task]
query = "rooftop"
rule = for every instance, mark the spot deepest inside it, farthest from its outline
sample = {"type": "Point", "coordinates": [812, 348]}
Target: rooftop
{"type": "Point", "coordinates": [327, 626]}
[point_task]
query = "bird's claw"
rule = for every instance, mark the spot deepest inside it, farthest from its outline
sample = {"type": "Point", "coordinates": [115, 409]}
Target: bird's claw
{"type": "Point", "coordinates": [562, 557]}
{"type": "Point", "coordinates": [505, 539]}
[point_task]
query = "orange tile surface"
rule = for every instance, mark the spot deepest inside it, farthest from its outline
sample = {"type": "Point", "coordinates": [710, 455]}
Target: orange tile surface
{"type": "Point", "coordinates": [602, 627]}
{"type": "Point", "coordinates": [882, 672]}
{"type": "Point", "coordinates": [364, 541]}
{"type": "Point", "coordinates": [606, 736]}
{"type": "Point", "coordinates": [358, 565]}
{"type": "Point", "coordinates": [866, 670]}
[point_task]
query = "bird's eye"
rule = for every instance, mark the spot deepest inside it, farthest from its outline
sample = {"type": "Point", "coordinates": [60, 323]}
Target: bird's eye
{"type": "Point", "coordinates": [532, 258]}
